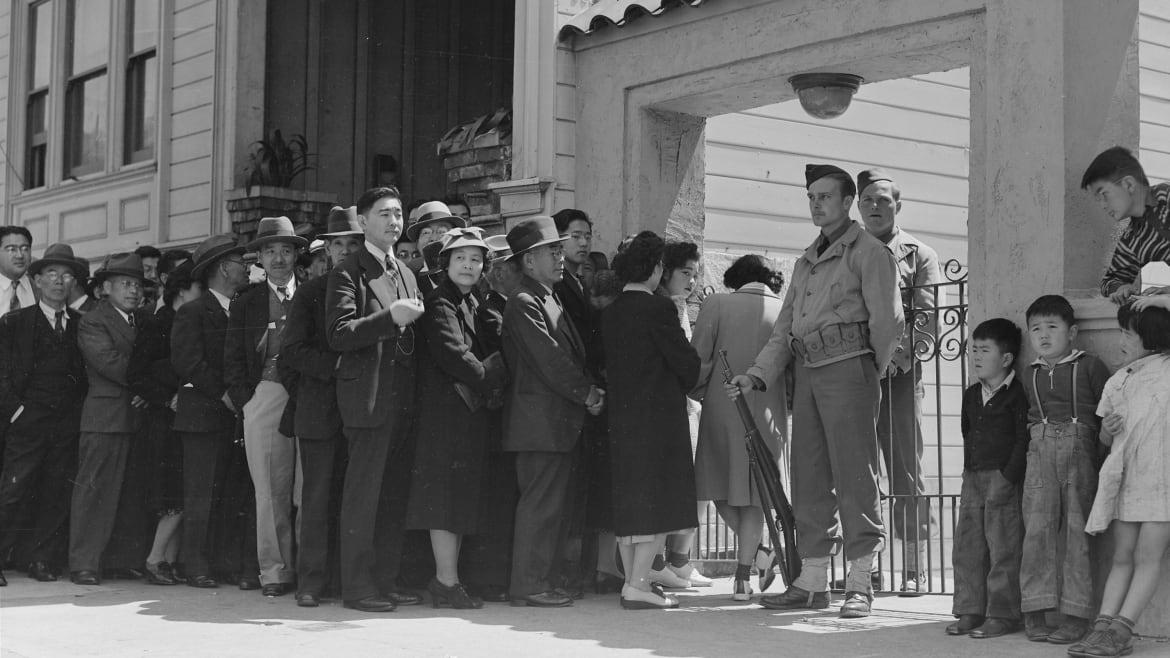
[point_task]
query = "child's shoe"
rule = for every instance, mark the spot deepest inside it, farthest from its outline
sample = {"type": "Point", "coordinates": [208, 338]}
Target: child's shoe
{"type": "Point", "coordinates": [1100, 624]}
{"type": "Point", "coordinates": [995, 627]}
{"type": "Point", "coordinates": [1036, 627]}
{"type": "Point", "coordinates": [1108, 642]}
{"type": "Point", "coordinates": [1072, 630]}
{"type": "Point", "coordinates": [965, 624]}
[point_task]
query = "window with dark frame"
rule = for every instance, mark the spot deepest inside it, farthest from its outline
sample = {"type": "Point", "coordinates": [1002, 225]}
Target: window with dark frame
{"type": "Point", "coordinates": [141, 109]}
{"type": "Point", "coordinates": [87, 56]}
{"type": "Point", "coordinates": [40, 25]}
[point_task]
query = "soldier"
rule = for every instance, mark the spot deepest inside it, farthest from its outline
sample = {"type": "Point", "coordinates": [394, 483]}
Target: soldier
{"type": "Point", "coordinates": [842, 318]}
{"type": "Point", "coordinates": [899, 425]}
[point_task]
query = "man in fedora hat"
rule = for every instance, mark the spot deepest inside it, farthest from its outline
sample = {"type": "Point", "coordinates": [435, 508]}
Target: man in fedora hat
{"type": "Point", "coordinates": [255, 324]}
{"type": "Point", "coordinates": [109, 417]}
{"type": "Point", "coordinates": [431, 221]}
{"type": "Point", "coordinates": [372, 301]}
{"type": "Point", "coordinates": [42, 387]}
{"type": "Point", "coordinates": [205, 416]}
{"type": "Point", "coordinates": [308, 365]}
{"type": "Point", "coordinates": [549, 396]}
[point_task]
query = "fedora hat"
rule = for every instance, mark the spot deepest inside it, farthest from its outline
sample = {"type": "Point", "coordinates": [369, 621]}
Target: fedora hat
{"type": "Point", "coordinates": [433, 212]}
{"type": "Point", "coordinates": [120, 264]}
{"type": "Point", "coordinates": [211, 250]}
{"type": "Point", "coordinates": [342, 222]}
{"type": "Point", "coordinates": [276, 229]}
{"type": "Point", "coordinates": [498, 244]}
{"type": "Point", "coordinates": [457, 238]}
{"type": "Point", "coordinates": [532, 233]}
{"type": "Point", "coordinates": [59, 254]}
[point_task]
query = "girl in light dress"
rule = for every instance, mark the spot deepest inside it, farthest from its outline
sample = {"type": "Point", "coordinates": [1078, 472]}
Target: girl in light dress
{"type": "Point", "coordinates": [1133, 496]}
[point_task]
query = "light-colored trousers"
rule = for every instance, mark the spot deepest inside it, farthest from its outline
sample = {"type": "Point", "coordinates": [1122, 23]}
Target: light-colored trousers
{"type": "Point", "coordinates": [272, 461]}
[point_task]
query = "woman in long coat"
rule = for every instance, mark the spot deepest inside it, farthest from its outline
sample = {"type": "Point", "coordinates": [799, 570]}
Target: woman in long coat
{"type": "Point", "coordinates": [739, 322]}
{"type": "Point", "coordinates": [650, 367]}
{"type": "Point", "coordinates": [152, 378]}
{"type": "Point", "coordinates": [457, 378]}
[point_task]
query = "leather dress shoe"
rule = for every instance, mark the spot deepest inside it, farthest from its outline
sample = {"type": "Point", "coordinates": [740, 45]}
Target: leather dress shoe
{"type": "Point", "coordinates": [1072, 630]}
{"type": "Point", "coordinates": [573, 592]}
{"type": "Point", "coordinates": [275, 589]}
{"type": "Point", "coordinates": [202, 582]}
{"type": "Point", "coordinates": [875, 582]}
{"type": "Point", "coordinates": [308, 600]}
{"type": "Point", "coordinates": [372, 604]}
{"type": "Point", "coordinates": [856, 605]}
{"type": "Point", "coordinates": [160, 574]}
{"type": "Point", "coordinates": [1036, 627]}
{"type": "Point", "coordinates": [965, 624]}
{"type": "Point", "coordinates": [995, 627]}
{"type": "Point", "coordinates": [796, 598]}
{"type": "Point", "coordinates": [3, 580]}
{"type": "Point", "coordinates": [85, 577]}
{"type": "Point", "coordinates": [549, 599]}
{"type": "Point", "coordinates": [40, 571]}
{"type": "Point", "coordinates": [402, 598]}
{"type": "Point", "coordinates": [248, 583]}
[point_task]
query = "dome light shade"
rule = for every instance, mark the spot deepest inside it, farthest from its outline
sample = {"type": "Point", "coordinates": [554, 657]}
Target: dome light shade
{"type": "Point", "coordinates": [825, 95]}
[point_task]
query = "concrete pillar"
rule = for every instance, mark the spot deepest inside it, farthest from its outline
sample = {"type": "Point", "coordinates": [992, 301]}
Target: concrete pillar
{"type": "Point", "coordinates": [671, 175]}
{"type": "Point", "coordinates": [1055, 83]}
{"type": "Point", "coordinates": [1058, 84]}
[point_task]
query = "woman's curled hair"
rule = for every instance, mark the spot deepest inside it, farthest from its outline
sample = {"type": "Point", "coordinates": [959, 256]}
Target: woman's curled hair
{"type": "Point", "coordinates": [752, 268]}
{"type": "Point", "coordinates": [637, 261]}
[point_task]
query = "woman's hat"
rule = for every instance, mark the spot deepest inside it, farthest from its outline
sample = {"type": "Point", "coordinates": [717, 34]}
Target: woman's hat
{"type": "Point", "coordinates": [532, 233]}
{"type": "Point", "coordinates": [432, 212]}
{"type": "Point", "coordinates": [59, 254]}
{"type": "Point", "coordinates": [471, 236]}
{"type": "Point", "coordinates": [121, 264]}
{"type": "Point", "coordinates": [211, 250]}
{"type": "Point", "coordinates": [498, 244]}
{"type": "Point", "coordinates": [276, 229]}
{"type": "Point", "coordinates": [342, 222]}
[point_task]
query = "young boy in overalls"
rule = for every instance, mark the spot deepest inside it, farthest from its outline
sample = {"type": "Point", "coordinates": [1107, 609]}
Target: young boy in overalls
{"type": "Point", "coordinates": [1064, 386]}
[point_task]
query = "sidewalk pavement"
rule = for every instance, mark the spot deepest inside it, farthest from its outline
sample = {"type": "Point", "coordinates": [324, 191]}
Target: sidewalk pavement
{"type": "Point", "coordinates": [126, 618]}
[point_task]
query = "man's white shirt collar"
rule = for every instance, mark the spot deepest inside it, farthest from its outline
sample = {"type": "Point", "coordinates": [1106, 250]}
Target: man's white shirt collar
{"type": "Point", "coordinates": [222, 299]}
{"type": "Point", "coordinates": [51, 315]}
{"type": "Point", "coordinates": [989, 393]}
{"type": "Point", "coordinates": [290, 288]}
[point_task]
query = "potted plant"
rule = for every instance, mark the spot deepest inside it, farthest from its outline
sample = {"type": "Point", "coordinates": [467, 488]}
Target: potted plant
{"type": "Point", "coordinates": [273, 165]}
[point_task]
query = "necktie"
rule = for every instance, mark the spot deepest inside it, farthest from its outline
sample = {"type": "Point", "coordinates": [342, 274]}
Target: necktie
{"type": "Point", "coordinates": [130, 320]}
{"type": "Point", "coordinates": [285, 298]}
{"type": "Point", "coordinates": [15, 303]}
{"type": "Point", "coordinates": [59, 325]}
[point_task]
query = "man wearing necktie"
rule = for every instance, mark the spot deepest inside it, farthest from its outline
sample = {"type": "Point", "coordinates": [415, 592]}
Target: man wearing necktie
{"type": "Point", "coordinates": [42, 386]}
{"type": "Point", "coordinates": [255, 323]}
{"type": "Point", "coordinates": [371, 303]}
{"type": "Point", "coordinates": [109, 417]}
{"type": "Point", "coordinates": [549, 396]}
{"type": "Point", "coordinates": [16, 289]}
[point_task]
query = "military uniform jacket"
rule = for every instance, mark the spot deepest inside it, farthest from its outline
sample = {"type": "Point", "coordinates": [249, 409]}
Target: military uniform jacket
{"type": "Point", "coordinates": [918, 271]}
{"type": "Point", "coordinates": [853, 281]}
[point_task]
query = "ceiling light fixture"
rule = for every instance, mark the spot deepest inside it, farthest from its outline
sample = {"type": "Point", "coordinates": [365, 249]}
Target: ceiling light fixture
{"type": "Point", "coordinates": [825, 95]}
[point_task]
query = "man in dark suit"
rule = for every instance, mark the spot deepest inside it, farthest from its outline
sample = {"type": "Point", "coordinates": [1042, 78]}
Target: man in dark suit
{"type": "Point", "coordinates": [305, 358]}
{"type": "Point", "coordinates": [42, 387]}
{"type": "Point", "coordinates": [372, 301]}
{"type": "Point", "coordinates": [109, 417]}
{"type": "Point", "coordinates": [547, 401]}
{"type": "Point", "coordinates": [255, 324]}
{"type": "Point", "coordinates": [205, 417]}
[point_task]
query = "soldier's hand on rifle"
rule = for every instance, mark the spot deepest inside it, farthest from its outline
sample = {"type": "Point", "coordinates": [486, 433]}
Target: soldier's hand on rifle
{"type": "Point", "coordinates": [738, 385]}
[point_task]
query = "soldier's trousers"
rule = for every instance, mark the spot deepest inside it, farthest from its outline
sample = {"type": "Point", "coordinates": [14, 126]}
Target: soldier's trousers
{"type": "Point", "coordinates": [835, 459]}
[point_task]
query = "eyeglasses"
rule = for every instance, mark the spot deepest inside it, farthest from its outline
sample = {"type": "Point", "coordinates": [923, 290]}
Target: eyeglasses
{"type": "Point", "coordinates": [128, 284]}
{"type": "Point", "coordinates": [59, 277]}
{"type": "Point", "coordinates": [17, 248]}
{"type": "Point", "coordinates": [237, 261]}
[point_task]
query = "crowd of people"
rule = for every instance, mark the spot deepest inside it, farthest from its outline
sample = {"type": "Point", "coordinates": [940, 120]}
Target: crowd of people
{"type": "Point", "coordinates": [406, 405]}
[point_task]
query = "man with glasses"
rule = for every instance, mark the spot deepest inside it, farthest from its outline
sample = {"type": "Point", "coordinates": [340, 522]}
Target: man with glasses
{"type": "Point", "coordinates": [372, 302]}
{"type": "Point", "coordinates": [42, 386]}
{"type": "Point", "coordinates": [16, 290]}
{"type": "Point", "coordinates": [109, 417]}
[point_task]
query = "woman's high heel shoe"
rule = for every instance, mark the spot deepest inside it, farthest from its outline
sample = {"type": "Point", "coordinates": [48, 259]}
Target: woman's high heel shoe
{"type": "Point", "coordinates": [454, 596]}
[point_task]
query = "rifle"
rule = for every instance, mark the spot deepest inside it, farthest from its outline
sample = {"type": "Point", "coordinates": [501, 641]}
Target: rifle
{"type": "Point", "coordinates": [765, 470]}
